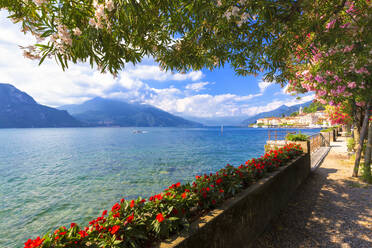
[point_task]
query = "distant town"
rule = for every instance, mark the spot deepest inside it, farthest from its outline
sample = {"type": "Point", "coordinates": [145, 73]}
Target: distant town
{"type": "Point", "coordinates": [317, 119]}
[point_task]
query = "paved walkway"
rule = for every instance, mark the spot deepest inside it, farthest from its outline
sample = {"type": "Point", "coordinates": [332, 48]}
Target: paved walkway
{"type": "Point", "coordinates": [330, 209]}
{"type": "Point", "coordinates": [318, 156]}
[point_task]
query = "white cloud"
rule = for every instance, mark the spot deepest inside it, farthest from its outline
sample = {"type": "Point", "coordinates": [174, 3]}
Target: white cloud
{"type": "Point", "coordinates": [49, 85]}
{"type": "Point", "coordinates": [276, 104]}
{"type": "Point", "coordinates": [263, 85]}
{"type": "Point", "coordinates": [197, 86]}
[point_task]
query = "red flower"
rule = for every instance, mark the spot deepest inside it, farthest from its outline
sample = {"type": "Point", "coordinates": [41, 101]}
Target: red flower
{"type": "Point", "coordinates": [178, 184]}
{"type": "Point", "coordinates": [160, 217]}
{"type": "Point", "coordinates": [218, 181]}
{"type": "Point", "coordinates": [115, 229]}
{"type": "Point", "coordinates": [122, 200]}
{"type": "Point", "coordinates": [104, 212]}
{"type": "Point", "coordinates": [34, 243]}
{"type": "Point", "coordinates": [132, 204]}
{"type": "Point", "coordinates": [130, 218]}
{"type": "Point", "coordinates": [73, 225]}
{"type": "Point", "coordinates": [117, 215]}
{"type": "Point", "coordinates": [57, 237]}
{"type": "Point", "coordinates": [213, 202]}
{"type": "Point", "coordinates": [221, 191]}
{"type": "Point", "coordinates": [116, 207]}
{"type": "Point", "coordinates": [184, 195]}
{"type": "Point", "coordinates": [83, 234]}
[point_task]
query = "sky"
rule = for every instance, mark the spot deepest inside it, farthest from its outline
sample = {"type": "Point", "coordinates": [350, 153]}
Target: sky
{"type": "Point", "coordinates": [217, 97]}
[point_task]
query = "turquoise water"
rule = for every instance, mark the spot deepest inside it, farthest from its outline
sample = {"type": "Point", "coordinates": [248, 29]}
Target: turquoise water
{"type": "Point", "coordinates": [52, 177]}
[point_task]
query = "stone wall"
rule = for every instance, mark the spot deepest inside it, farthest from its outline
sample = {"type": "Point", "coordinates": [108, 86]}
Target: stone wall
{"type": "Point", "coordinates": [275, 144]}
{"type": "Point", "coordinates": [240, 220]}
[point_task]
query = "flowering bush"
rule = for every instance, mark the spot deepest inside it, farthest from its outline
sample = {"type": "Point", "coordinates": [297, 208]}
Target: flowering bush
{"type": "Point", "coordinates": [139, 223]}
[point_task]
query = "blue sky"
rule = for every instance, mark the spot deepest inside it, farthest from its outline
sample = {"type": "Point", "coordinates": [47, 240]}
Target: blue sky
{"type": "Point", "coordinates": [219, 96]}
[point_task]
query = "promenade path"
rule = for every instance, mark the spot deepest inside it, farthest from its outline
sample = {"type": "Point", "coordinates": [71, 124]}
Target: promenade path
{"type": "Point", "coordinates": [330, 209]}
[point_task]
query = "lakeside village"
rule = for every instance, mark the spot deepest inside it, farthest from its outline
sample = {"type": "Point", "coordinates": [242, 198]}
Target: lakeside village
{"type": "Point", "coordinates": [318, 119]}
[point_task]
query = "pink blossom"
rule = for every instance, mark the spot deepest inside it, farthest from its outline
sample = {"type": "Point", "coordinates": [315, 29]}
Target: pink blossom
{"type": "Point", "coordinates": [337, 78]}
{"type": "Point", "coordinates": [331, 24]}
{"type": "Point", "coordinates": [347, 94]}
{"type": "Point", "coordinates": [322, 101]}
{"type": "Point", "coordinates": [346, 25]}
{"type": "Point", "coordinates": [319, 78]}
{"type": "Point", "coordinates": [360, 104]}
{"type": "Point", "coordinates": [351, 85]}
{"type": "Point", "coordinates": [341, 89]}
{"type": "Point", "coordinates": [362, 70]}
{"type": "Point", "coordinates": [322, 92]}
{"type": "Point", "coordinates": [348, 48]}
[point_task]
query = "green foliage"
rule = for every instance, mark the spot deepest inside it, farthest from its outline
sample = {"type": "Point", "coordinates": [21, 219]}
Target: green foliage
{"type": "Point", "coordinates": [314, 107]}
{"type": "Point", "coordinates": [297, 137]}
{"type": "Point", "coordinates": [294, 114]}
{"type": "Point", "coordinates": [327, 130]}
{"type": "Point", "coordinates": [366, 177]}
{"type": "Point", "coordinates": [350, 144]}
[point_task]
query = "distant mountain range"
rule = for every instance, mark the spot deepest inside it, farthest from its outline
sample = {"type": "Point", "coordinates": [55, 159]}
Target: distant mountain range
{"type": "Point", "coordinates": [107, 112]}
{"type": "Point", "coordinates": [19, 110]}
{"type": "Point", "coordinates": [278, 112]}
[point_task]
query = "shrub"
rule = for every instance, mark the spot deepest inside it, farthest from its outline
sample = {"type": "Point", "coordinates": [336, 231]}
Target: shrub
{"type": "Point", "coordinates": [140, 223]}
{"type": "Point", "coordinates": [350, 144]}
{"type": "Point", "coordinates": [297, 137]}
{"type": "Point", "coordinates": [327, 130]}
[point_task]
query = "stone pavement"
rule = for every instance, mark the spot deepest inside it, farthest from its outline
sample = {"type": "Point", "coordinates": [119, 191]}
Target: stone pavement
{"type": "Point", "coordinates": [331, 209]}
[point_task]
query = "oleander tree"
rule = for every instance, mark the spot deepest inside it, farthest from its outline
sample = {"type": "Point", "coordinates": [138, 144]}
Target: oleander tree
{"type": "Point", "coordinates": [336, 65]}
{"type": "Point", "coordinates": [311, 45]}
{"type": "Point", "coordinates": [338, 115]}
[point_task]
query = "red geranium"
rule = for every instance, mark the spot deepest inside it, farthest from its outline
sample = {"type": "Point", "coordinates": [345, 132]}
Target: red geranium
{"type": "Point", "coordinates": [130, 218]}
{"type": "Point", "coordinates": [160, 217]}
{"type": "Point", "coordinates": [34, 243]}
{"type": "Point", "coordinates": [114, 229]}
{"type": "Point", "coordinates": [83, 233]}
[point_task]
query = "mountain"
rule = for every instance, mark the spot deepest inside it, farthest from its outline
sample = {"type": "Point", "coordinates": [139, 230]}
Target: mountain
{"type": "Point", "coordinates": [218, 121]}
{"type": "Point", "coordinates": [278, 112]}
{"type": "Point", "coordinates": [107, 112]}
{"type": "Point", "coordinates": [19, 110]}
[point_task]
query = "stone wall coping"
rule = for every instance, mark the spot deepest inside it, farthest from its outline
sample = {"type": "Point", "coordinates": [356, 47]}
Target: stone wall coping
{"type": "Point", "coordinates": [208, 219]}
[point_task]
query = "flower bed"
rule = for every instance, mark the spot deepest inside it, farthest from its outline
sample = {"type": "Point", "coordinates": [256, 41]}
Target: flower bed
{"type": "Point", "coordinates": [140, 223]}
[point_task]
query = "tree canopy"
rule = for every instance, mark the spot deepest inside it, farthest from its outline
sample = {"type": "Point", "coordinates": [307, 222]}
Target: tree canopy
{"type": "Point", "coordinates": [312, 45]}
{"type": "Point", "coordinates": [252, 36]}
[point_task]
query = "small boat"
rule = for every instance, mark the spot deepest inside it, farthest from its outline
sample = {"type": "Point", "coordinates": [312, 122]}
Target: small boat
{"type": "Point", "coordinates": [138, 131]}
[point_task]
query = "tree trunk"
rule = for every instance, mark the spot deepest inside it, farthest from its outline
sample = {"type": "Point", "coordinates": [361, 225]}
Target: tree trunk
{"type": "Point", "coordinates": [357, 126]}
{"type": "Point", "coordinates": [363, 133]}
{"type": "Point", "coordinates": [367, 156]}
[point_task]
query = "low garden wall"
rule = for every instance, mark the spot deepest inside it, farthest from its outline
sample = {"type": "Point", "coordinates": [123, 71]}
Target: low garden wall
{"type": "Point", "coordinates": [240, 220]}
{"type": "Point", "coordinates": [329, 136]}
{"type": "Point", "coordinates": [236, 204]}
{"type": "Point", "coordinates": [275, 144]}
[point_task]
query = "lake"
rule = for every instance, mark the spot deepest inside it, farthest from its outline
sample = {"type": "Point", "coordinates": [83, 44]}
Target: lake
{"type": "Point", "coordinates": [52, 177]}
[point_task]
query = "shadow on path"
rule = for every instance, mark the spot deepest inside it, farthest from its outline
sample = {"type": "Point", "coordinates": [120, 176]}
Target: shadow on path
{"type": "Point", "coordinates": [324, 212]}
